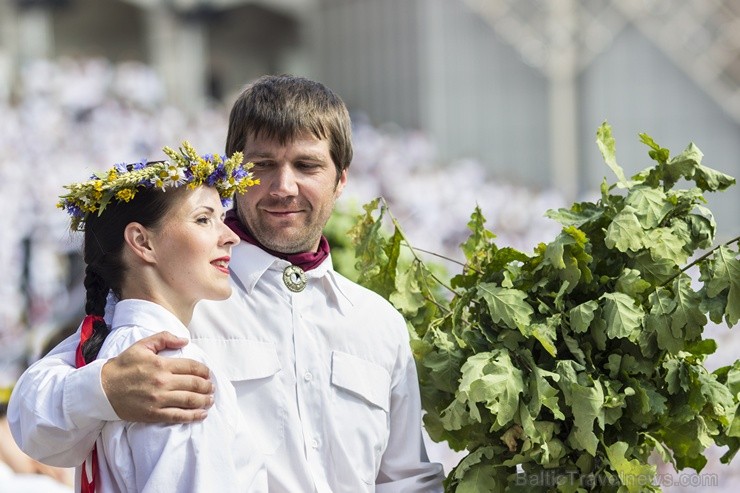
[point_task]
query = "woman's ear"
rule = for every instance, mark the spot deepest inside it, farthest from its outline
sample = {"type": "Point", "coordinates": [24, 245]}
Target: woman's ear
{"type": "Point", "coordinates": [139, 241]}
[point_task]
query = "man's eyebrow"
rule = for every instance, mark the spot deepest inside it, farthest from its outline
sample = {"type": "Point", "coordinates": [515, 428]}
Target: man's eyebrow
{"type": "Point", "coordinates": [268, 155]}
{"type": "Point", "coordinates": [311, 157]}
{"type": "Point", "coordinates": [258, 154]}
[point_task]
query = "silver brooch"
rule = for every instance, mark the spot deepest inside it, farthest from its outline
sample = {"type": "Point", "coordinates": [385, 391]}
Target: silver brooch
{"type": "Point", "coordinates": [294, 278]}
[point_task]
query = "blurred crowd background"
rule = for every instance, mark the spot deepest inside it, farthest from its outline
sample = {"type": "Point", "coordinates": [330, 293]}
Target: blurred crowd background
{"type": "Point", "coordinates": [455, 103]}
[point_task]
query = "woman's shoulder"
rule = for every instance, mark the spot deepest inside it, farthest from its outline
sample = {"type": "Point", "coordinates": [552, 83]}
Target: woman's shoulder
{"type": "Point", "coordinates": [120, 338]}
{"type": "Point", "coordinates": [135, 319]}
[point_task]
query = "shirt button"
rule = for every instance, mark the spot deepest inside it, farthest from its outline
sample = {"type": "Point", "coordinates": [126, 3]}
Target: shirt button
{"type": "Point", "coordinates": [315, 443]}
{"type": "Point", "coordinates": [307, 376]}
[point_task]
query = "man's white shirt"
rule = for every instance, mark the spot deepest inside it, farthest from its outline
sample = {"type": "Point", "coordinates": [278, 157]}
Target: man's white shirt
{"type": "Point", "coordinates": [324, 378]}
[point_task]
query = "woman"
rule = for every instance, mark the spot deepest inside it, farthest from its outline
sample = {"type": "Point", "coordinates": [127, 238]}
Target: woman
{"type": "Point", "coordinates": [154, 236]}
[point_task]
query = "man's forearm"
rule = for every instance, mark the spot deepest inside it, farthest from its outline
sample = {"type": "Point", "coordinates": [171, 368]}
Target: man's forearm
{"type": "Point", "coordinates": [405, 465]}
{"type": "Point", "coordinates": [56, 411]}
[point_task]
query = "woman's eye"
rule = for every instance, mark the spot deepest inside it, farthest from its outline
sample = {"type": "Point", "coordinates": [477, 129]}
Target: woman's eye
{"type": "Point", "coordinates": [203, 220]}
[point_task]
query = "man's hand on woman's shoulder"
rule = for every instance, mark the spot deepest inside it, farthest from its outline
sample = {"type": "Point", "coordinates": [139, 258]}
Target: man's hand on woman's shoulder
{"type": "Point", "coordinates": [145, 387]}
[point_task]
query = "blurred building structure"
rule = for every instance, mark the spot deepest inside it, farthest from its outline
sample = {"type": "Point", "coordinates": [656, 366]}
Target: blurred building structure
{"type": "Point", "coordinates": [521, 85]}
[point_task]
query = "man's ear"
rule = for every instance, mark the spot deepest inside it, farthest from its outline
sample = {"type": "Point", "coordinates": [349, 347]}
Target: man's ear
{"type": "Point", "coordinates": [341, 182]}
{"type": "Point", "coordinates": [139, 241]}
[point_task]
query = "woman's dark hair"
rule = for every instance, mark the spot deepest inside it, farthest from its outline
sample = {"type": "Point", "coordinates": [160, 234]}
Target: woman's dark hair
{"type": "Point", "coordinates": [103, 253]}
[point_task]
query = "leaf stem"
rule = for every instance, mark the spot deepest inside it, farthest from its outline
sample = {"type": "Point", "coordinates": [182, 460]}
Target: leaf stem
{"type": "Point", "coordinates": [436, 303]}
{"type": "Point", "coordinates": [697, 261]}
{"type": "Point", "coordinates": [443, 257]}
{"type": "Point", "coordinates": [413, 250]}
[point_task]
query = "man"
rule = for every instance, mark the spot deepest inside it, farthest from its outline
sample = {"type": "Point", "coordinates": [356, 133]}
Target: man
{"type": "Point", "coordinates": [321, 366]}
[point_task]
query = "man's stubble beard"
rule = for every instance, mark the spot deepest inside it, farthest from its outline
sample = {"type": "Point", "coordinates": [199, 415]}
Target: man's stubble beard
{"type": "Point", "coordinates": [303, 239]}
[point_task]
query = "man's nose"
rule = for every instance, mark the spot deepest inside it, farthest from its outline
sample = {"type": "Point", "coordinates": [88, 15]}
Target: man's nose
{"type": "Point", "coordinates": [285, 182]}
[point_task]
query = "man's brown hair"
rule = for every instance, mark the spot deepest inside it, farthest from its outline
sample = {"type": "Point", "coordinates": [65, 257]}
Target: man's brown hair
{"type": "Point", "coordinates": [283, 107]}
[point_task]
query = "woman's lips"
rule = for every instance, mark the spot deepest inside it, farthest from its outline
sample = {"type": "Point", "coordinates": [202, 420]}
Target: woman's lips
{"type": "Point", "coordinates": [222, 264]}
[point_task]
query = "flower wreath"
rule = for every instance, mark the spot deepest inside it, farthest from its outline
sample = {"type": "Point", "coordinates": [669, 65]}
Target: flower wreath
{"type": "Point", "coordinates": [185, 167]}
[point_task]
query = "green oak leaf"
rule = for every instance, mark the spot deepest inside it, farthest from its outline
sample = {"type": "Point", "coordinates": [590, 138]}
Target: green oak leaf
{"type": "Point", "coordinates": [726, 275]}
{"type": "Point", "coordinates": [687, 318]}
{"type": "Point", "coordinates": [733, 378]}
{"type": "Point", "coordinates": [457, 415]}
{"type": "Point", "coordinates": [588, 406]}
{"type": "Point", "coordinates": [631, 283]}
{"type": "Point", "coordinates": [718, 396]}
{"type": "Point", "coordinates": [408, 297]}
{"type": "Point", "coordinates": [476, 472]}
{"type": "Point", "coordinates": [687, 440]}
{"type": "Point", "coordinates": [547, 394]}
{"type": "Point", "coordinates": [646, 404]}
{"type": "Point", "coordinates": [659, 320]}
{"type": "Point", "coordinates": [491, 379]}
{"type": "Point", "coordinates": [655, 271]}
{"type": "Point", "coordinates": [444, 362]}
{"type": "Point", "coordinates": [677, 376]}
{"type": "Point", "coordinates": [625, 232]}
{"type": "Point", "coordinates": [632, 473]}
{"type": "Point", "coordinates": [650, 205]}
{"type": "Point", "coordinates": [508, 306]}
{"type": "Point", "coordinates": [547, 334]}
{"type": "Point", "coordinates": [578, 215]}
{"type": "Point", "coordinates": [710, 180]}
{"type": "Point", "coordinates": [715, 307]}
{"type": "Point", "coordinates": [377, 256]}
{"type": "Point", "coordinates": [555, 251]}
{"type": "Point", "coordinates": [697, 230]}
{"type": "Point", "coordinates": [664, 244]}
{"type": "Point", "coordinates": [479, 238]}
{"type": "Point", "coordinates": [582, 315]}
{"type": "Point", "coordinates": [568, 255]}
{"type": "Point", "coordinates": [683, 165]}
{"type": "Point", "coordinates": [702, 347]}
{"type": "Point", "coordinates": [606, 144]}
{"type": "Point", "coordinates": [623, 317]}
{"type": "Point", "coordinates": [658, 153]}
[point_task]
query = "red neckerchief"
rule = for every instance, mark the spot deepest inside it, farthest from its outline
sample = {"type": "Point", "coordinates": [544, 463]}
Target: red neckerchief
{"type": "Point", "coordinates": [304, 260]}
{"type": "Point", "coordinates": [87, 485]}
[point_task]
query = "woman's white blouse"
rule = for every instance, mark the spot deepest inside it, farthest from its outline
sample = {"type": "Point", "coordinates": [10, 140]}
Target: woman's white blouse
{"type": "Point", "coordinates": [216, 454]}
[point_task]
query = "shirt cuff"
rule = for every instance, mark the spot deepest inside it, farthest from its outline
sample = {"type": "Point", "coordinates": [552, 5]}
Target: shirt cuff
{"type": "Point", "coordinates": [85, 402]}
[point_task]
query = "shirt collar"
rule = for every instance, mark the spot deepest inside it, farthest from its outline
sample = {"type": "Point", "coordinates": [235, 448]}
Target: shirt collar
{"type": "Point", "coordinates": [148, 315]}
{"type": "Point", "coordinates": [249, 263]}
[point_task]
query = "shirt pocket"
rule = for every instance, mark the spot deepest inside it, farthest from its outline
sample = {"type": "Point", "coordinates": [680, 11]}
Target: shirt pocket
{"type": "Point", "coordinates": [254, 369]}
{"type": "Point", "coordinates": [361, 410]}
{"type": "Point", "coordinates": [361, 378]}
